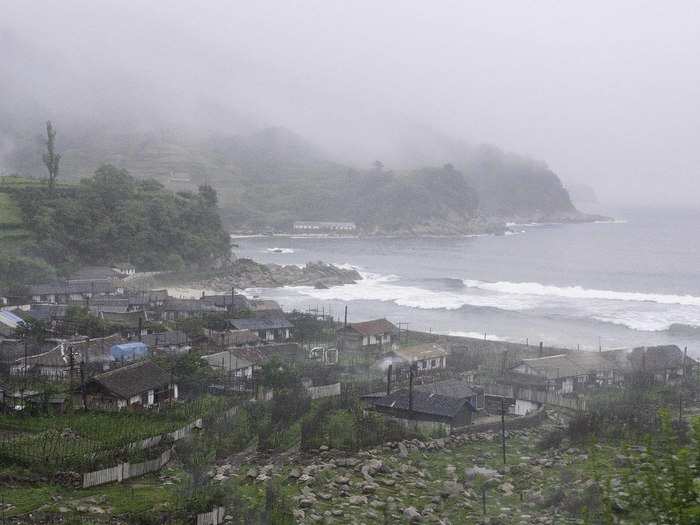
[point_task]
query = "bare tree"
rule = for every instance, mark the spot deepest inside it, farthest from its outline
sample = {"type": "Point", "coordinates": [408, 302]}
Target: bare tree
{"type": "Point", "coordinates": [51, 158]}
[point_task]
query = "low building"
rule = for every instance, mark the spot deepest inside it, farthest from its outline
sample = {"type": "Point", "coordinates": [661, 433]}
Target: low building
{"type": "Point", "coordinates": [231, 302]}
{"type": "Point", "coordinates": [179, 309]}
{"type": "Point", "coordinates": [236, 362]}
{"type": "Point", "coordinates": [140, 384]}
{"type": "Point", "coordinates": [268, 329]}
{"type": "Point", "coordinates": [569, 373]}
{"type": "Point", "coordinates": [229, 338]}
{"type": "Point", "coordinates": [9, 322]}
{"type": "Point", "coordinates": [324, 226]}
{"type": "Point", "coordinates": [147, 300]}
{"type": "Point", "coordinates": [124, 268]}
{"type": "Point", "coordinates": [174, 342]}
{"type": "Point", "coordinates": [423, 357]}
{"type": "Point", "coordinates": [458, 389]}
{"type": "Point", "coordinates": [266, 308]}
{"type": "Point", "coordinates": [424, 410]}
{"type": "Point", "coordinates": [64, 292]}
{"type": "Point", "coordinates": [367, 336]}
{"type": "Point", "coordinates": [92, 355]}
{"type": "Point", "coordinates": [129, 351]}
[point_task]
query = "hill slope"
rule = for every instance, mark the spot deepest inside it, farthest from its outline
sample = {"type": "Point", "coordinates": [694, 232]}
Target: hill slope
{"type": "Point", "coordinates": [268, 179]}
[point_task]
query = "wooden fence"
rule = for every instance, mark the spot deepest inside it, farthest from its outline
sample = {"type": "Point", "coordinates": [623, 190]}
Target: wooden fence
{"type": "Point", "coordinates": [318, 392]}
{"type": "Point", "coordinates": [213, 517]}
{"type": "Point", "coordinates": [125, 471]}
{"type": "Point", "coordinates": [535, 396]}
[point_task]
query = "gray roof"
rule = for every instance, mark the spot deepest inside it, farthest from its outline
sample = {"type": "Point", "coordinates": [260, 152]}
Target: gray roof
{"type": "Point", "coordinates": [134, 379]}
{"type": "Point", "coordinates": [172, 338]}
{"type": "Point", "coordinates": [451, 388]}
{"type": "Point", "coordinates": [190, 305]}
{"type": "Point", "coordinates": [271, 323]}
{"type": "Point", "coordinates": [569, 365]}
{"type": "Point", "coordinates": [73, 287]}
{"type": "Point", "coordinates": [423, 403]}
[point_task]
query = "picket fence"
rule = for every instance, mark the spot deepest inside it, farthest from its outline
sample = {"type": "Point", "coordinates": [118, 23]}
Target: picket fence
{"type": "Point", "coordinates": [125, 471]}
{"type": "Point", "coordinates": [213, 517]}
{"type": "Point", "coordinates": [318, 392]}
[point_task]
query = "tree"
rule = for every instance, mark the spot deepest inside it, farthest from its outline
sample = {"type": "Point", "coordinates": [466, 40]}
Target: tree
{"type": "Point", "coordinates": [51, 158]}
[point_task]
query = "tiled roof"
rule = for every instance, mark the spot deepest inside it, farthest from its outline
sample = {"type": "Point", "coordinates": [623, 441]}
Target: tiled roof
{"type": "Point", "coordinates": [375, 327]}
{"type": "Point", "coordinates": [420, 352]}
{"type": "Point", "coordinates": [134, 379]}
{"type": "Point", "coordinates": [172, 338]}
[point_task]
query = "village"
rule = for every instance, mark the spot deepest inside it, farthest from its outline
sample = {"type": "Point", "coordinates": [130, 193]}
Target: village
{"type": "Point", "coordinates": [101, 383]}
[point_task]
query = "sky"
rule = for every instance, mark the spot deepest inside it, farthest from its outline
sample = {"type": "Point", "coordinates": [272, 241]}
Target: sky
{"type": "Point", "coordinates": [604, 92]}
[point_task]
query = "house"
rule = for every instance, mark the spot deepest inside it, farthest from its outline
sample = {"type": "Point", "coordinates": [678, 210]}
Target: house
{"type": "Point", "coordinates": [174, 341]}
{"type": "Point", "coordinates": [63, 292]}
{"type": "Point", "coordinates": [179, 309]}
{"type": "Point", "coordinates": [231, 302]}
{"type": "Point", "coordinates": [365, 336]}
{"type": "Point", "coordinates": [230, 338]}
{"type": "Point", "coordinates": [324, 226]}
{"type": "Point", "coordinates": [236, 362]}
{"type": "Point", "coordinates": [130, 323]}
{"type": "Point", "coordinates": [267, 328]}
{"type": "Point", "coordinates": [423, 357]}
{"type": "Point", "coordinates": [266, 308]}
{"type": "Point", "coordinates": [124, 268]}
{"type": "Point", "coordinates": [424, 410]}
{"type": "Point", "coordinates": [458, 389]}
{"type": "Point", "coordinates": [48, 313]}
{"type": "Point", "coordinates": [139, 384]}
{"type": "Point", "coordinates": [92, 355]}
{"type": "Point", "coordinates": [568, 373]}
{"type": "Point", "coordinates": [665, 363]}
{"type": "Point", "coordinates": [147, 300]}
{"type": "Point", "coordinates": [9, 322]}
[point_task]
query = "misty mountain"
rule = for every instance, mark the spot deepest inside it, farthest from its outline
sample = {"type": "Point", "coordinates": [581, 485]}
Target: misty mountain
{"type": "Point", "coordinates": [269, 178]}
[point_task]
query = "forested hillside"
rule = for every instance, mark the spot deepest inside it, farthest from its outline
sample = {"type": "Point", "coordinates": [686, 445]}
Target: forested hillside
{"type": "Point", "coordinates": [112, 217]}
{"type": "Point", "coordinates": [268, 179]}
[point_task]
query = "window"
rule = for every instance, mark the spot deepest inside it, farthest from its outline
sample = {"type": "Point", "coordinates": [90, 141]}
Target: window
{"type": "Point", "coordinates": [432, 363]}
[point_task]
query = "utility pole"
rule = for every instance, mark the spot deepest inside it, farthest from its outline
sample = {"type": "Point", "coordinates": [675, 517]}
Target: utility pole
{"type": "Point", "coordinates": [388, 380]}
{"type": "Point", "coordinates": [82, 385]}
{"type": "Point", "coordinates": [503, 428]}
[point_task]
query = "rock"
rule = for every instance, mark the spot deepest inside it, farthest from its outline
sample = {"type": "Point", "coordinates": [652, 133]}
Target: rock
{"type": "Point", "coordinates": [262, 477]}
{"type": "Point", "coordinates": [337, 513]}
{"type": "Point", "coordinates": [305, 478]}
{"type": "Point", "coordinates": [370, 488]}
{"type": "Point", "coordinates": [323, 448]}
{"type": "Point", "coordinates": [306, 503]}
{"type": "Point", "coordinates": [450, 488]}
{"type": "Point", "coordinates": [342, 480]}
{"type": "Point", "coordinates": [324, 496]}
{"type": "Point", "coordinates": [298, 514]}
{"type": "Point", "coordinates": [473, 472]}
{"type": "Point", "coordinates": [358, 500]}
{"type": "Point", "coordinates": [403, 451]}
{"type": "Point", "coordinates": [411, 514]}
{"type": "Point", "coordinates": [295, 473]}
{"type": "Point", "coordinates": [252, 473]}
{"type": "Point", "coordinates": [506, 488]}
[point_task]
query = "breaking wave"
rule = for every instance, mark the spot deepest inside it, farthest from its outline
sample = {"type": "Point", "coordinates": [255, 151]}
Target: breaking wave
{"type": "Point", "coordinates": [635, 310]}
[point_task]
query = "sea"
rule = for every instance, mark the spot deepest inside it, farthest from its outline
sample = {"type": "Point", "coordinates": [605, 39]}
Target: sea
{"type": "Point", "coordinates": [631, 281]}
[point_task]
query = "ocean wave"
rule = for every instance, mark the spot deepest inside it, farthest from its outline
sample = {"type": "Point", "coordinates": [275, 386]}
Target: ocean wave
{"type": "Point", "coordinates": [280, 250]}
{"type": "Point", "coordinates": [476, 335]}
{"type": "Point", "coordinates": [634, 310]}
{"type": "Point", "coordinates": [578, 292]}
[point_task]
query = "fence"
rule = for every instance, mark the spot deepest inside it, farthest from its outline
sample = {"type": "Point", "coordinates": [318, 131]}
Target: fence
{"type": "Point", "coordinates": [535, 396]}
{"type": "Point", "coordinates": [318, 392]}
{"type": "Point", "coordinates": [125, 471]}
{"type": "Point", "coordinates": [213, 517]}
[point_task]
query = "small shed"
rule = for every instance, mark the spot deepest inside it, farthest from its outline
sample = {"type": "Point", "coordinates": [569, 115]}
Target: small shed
{"type": "Point", "coordinates": [129, 351]}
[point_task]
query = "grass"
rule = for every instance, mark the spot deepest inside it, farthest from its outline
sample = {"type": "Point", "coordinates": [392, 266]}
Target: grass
{"type": "Point", "coordinates": [40, 441]}
{"type": "Point", "coordinates": [10, 214]}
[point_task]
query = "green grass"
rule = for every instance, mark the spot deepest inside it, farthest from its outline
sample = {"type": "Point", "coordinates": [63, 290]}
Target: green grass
{"type": "Point", "coordinates": [10, 214]}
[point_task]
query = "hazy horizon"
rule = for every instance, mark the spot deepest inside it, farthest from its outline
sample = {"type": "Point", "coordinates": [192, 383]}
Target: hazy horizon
{"type": "Point", "coordinates": [602, 94]}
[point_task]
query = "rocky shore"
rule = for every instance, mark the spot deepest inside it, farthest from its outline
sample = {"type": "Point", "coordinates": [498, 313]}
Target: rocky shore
{"type": "Point", "coordinates": [246, 273]}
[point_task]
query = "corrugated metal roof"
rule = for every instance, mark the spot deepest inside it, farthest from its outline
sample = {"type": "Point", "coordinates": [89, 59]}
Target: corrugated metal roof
{"type": "Point", "coordinates": [9, 319]}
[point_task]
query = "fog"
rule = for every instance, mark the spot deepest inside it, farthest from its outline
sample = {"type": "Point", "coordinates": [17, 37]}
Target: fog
{"type": "Point", "coordinates": [604, 93]}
